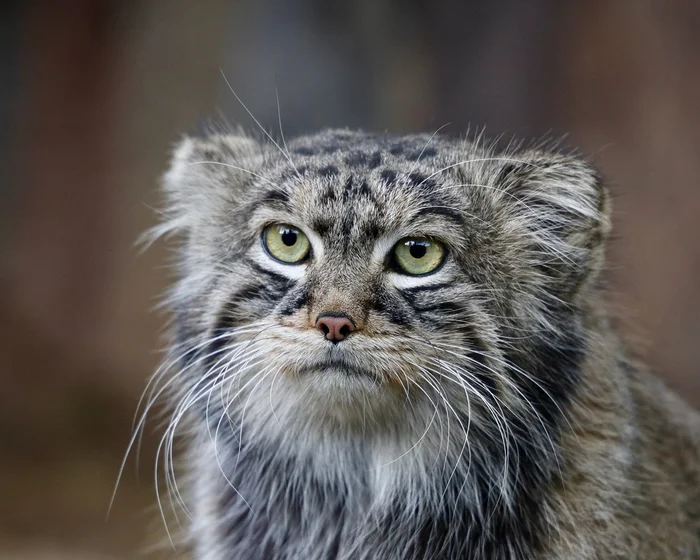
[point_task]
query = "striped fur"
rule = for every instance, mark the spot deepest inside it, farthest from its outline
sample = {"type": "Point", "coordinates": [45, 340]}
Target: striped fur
{"type": "Point", "coordinates": [486, 410]}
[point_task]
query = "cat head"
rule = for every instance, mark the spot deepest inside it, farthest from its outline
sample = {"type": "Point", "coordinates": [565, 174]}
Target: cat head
{"type": "Point", "coordinates": [356, 271]}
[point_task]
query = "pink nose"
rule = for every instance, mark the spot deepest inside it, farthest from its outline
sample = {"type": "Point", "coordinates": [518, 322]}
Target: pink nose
{"type": "Point", "coordinates": [335, 327]}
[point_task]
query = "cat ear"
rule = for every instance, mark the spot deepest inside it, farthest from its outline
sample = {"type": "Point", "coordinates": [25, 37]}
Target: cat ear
{"type": "Point", "coordinates": [562, 204]}
{"type": "Point", "coordinates": [207, 175]}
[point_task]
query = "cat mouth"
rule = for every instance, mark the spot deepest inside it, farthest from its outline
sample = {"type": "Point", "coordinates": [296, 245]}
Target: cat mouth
{"type": "Point", "coordinates": [340, 367]}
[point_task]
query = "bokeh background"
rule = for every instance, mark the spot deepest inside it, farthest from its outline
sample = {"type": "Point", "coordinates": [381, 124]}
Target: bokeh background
{"type": "Point", "coordinates": [93, 93]}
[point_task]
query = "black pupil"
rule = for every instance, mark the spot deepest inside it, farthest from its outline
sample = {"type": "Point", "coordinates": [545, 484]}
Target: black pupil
{"type": "Point", "coordinates": [289, 237]}
{"type": "Point", "coordinates": [418, 250]}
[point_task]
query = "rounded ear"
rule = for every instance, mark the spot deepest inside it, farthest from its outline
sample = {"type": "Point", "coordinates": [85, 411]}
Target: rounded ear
{"type": "Point", "coordinates": [207, 175]}
{"type": "Point", "coordinates": [566, 210]}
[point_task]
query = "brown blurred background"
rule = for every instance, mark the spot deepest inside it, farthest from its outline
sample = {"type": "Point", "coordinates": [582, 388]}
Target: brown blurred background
{"type": "Point", "coordinates": [93, 93]}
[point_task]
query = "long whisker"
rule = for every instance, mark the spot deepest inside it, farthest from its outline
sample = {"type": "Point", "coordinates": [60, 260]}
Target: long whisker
{"type": "Point", "coordinates": [140, 425]}
{"type": "Point", "coordinates": [421, 438]}
{"type": "Point", "coordinates": [515, 388]}
{"type": "Point", "coordinates": [285, 154]}
{"type": "Point", "coordinates": [186, 402]}
{"type": "Point", "coordinates": [262, 375]}
{"type": "Point", "coordinates": [465, 431]}
{"type": "Point", "coordinates": [284, 142]}
{"type": "Point", "coordinates": [231, 166]}
{"type": "Point", "coordinates": [415, 163]}
{"type": "Point", "coordinates": [476, 160]}
{"type": "Point", "coordinates": [164, 369]}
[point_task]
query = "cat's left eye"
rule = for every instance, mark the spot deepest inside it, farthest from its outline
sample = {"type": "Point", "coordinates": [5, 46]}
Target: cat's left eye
{"type": "Point", "coordinates": [286, 243]}
{"type": "Point", "coordinates": [418, 255]}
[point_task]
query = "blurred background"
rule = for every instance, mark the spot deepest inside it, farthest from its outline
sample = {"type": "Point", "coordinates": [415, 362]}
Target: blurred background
{"type": "Point", "coordinates": [93, 94]}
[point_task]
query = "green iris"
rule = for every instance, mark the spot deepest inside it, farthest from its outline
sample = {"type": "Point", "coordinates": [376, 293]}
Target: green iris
{"type": "Point", "coordinates": [418, 255]}
{"type": "Point", "coordinates": [286, 243]}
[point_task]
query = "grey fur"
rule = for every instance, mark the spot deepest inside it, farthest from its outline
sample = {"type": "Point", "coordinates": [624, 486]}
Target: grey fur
{"type": "Point", "coordinates": [441, 430]}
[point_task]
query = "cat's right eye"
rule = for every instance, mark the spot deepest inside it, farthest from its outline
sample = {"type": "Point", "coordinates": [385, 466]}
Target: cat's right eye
{"type": "Point", "coordinates": [286, 243]}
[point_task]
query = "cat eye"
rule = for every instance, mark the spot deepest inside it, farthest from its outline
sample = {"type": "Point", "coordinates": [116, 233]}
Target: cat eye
{"type": "Point", "coordinates": [286, 243]}
{"type": "Point", "coordinates": [418, 255]}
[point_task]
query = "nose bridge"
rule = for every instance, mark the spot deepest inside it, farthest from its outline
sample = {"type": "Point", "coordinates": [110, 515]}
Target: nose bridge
{"type": "Point", "coordinates": [341, 290]}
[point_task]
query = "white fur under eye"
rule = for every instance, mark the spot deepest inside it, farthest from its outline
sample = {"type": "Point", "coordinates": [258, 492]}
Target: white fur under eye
{"type": "Point", "coordinates": [403, 281]}
{"type": "Point", "coordinates": [292, 271]}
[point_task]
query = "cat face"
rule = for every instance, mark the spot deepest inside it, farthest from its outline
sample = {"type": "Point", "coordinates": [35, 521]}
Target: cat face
{"type": "Point", "coordinates": [358, 272]}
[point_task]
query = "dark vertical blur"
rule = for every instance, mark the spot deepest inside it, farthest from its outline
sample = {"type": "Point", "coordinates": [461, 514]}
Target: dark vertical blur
{"type": "Point", "coordinates": [93, 93]}
{"type": "Point", "coordinates": [8, 91]}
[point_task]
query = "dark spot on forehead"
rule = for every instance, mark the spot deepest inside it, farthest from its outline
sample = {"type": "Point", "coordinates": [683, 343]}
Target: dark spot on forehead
{"type": "Point", "coordinates": [349, 183]}
{"type": "Point", "coordinates": [355, 187]}
{"type": "Point", "coordinates": [331, 148]}
{"type": "Point", "coordinates": [396, 149]}
{"type": "Point", "coordinates": [364, 188]}
{"type": "Point", "coordinates": [375, 161]}
{"type": "Point", "coordinates": [424, 184]}
{"type": "Point", "coordinates": [388, 176]}
{"type": "Point", "coordinates": [322, 225]}
{"type": "Point", "coordinates": [346, 226]}
{"type": "Point", "coordinates": [426, 153]}
{"type": "Point", "coordinates": [304, 151]}
{"type": "Point", "coordinates": [370, 229]}
{"type": "Point", "coordinates": [328, 195]}
{"type": "Point", "coordinates": [329, 171]}
{"type": "Point", "coordinates": [416, 179]}
{"type": "Point", "coordinates": [356, 158]}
